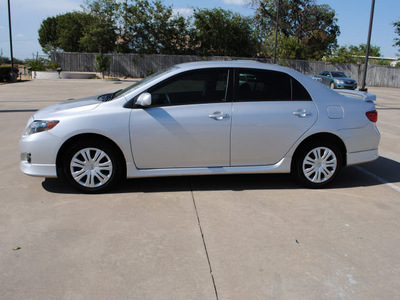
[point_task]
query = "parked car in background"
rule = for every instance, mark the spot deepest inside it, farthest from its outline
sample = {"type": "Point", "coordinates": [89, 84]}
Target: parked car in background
{"type": "Point", "coordinates": [337, 80]}
{"type": "Point", "coordinates": [204, 118]}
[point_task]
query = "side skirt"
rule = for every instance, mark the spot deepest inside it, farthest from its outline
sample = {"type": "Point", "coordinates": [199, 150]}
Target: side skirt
{"type": "Point", "coordinates": [283, 166]}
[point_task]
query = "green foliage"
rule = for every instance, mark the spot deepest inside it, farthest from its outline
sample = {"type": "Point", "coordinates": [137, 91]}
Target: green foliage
{"type": "Point", "coordinates": [6, 60]}
{"type": "Point", "coordinates": [307, 30]}
{"type": "Point", "coordinates": [224, 33]}
{"type": "Point", "coordinates": [355, 54]}
{"type": "Point", "coordinates": [397, 31]}
{"type": "Point", "coordinates": [6, 74]}
{"type": "Point", "coordinates": [98, 37]}
{"type": "Point", "coordinates": [151, 28]}
{"type": "Point", "coordinates": [41, 64]}
{"type": "Point", "coordinates": [48, 38]}
{"type": "Point", "coordinates": [102, 63]}
{"type": "Point", "coordinates": [77, 32]}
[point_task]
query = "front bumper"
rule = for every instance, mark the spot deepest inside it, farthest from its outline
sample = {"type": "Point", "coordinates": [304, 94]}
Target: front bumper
{"type": "Point", "coordinates": [38, 153]}
{"type": "Point", "coordinates": [346, 86]}
{"type": "Point", "coordinates": [48, 171]}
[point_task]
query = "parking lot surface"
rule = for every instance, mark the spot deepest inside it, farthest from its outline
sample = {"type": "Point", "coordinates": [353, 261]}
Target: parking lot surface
{"type": "Point", "coordinates": [210, 237]}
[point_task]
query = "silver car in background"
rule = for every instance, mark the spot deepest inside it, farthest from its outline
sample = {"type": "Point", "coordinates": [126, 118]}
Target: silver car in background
{"type": "Point", "coordinates": [203, 118]}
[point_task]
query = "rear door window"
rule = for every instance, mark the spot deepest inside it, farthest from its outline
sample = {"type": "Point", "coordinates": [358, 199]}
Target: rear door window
{"type": "Point", "coordinates": [266, 85]}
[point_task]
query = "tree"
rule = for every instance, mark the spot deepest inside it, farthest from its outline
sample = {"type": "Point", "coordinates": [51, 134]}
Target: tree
{"type": "Point", "coordinates": [99, 37]}
{"type": "Point", "coordinates": [151, 28]}
{"type": "Point", "coordinates": [302, 24]}
{"type": "Point", "coordinates": [77, 32]}
{"type": "Point", "coordinates": [48, 38]}
{"type": "Point", "coordinates": [354, 54]}
{"type": "Point", "coordinates": [222, 32]}
{"type": "Point", "coordinates": [109, 11]}
{"type": "Point", "coordinates": [397, 31]}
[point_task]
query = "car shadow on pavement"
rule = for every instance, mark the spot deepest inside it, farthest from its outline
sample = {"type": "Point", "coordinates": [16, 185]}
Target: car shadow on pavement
{"type": "Point", "coordinates": [378, 172]}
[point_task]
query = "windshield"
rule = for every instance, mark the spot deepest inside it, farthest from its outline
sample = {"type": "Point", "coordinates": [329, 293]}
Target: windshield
{"type": "Point", "coordinates": [339, 74]}
{"type": "Point", "coordinates": [144, 81]}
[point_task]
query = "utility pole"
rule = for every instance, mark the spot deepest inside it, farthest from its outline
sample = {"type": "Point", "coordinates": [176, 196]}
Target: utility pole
{"type": "Point", "coordinates": [363, 88]}
{"type": "Point", "coordinates": [11, 46]}
{"type": "Point", "coordinates": [276, 29]}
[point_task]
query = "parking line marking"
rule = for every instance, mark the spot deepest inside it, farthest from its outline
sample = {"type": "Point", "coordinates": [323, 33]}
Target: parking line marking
{"type": "Point", "coordinates": [380, 179]}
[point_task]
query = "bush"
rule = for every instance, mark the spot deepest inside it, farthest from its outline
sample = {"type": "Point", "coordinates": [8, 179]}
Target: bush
{"type": "Point", "coordinates": [41, 64]}
{"type": "Point", "coordinates": [102, 63]}
{"type": "Point", "coordinates": [6, 74]}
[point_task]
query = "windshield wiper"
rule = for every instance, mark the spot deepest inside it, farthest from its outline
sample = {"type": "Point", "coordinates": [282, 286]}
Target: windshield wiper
{"type": "Point", "coordinates": [113, 94]}
{"type": "Point", "coordinates": [107, 97]}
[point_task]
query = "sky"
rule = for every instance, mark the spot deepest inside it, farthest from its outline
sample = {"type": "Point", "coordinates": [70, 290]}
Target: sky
{"type": "Point", "coordinates": [353, 18]}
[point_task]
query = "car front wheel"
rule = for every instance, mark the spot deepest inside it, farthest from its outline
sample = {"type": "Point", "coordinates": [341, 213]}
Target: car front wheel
{"type": "Point", "coordinates": [92, 167]}
{"type": "Point", "coordinates": [332, 85]}
{"type": "Point", "coordinates": [317, 164]}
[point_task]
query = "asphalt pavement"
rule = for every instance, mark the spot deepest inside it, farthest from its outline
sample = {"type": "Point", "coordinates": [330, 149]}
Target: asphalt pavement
{"type": "Point", "coordinates": [201, 237]}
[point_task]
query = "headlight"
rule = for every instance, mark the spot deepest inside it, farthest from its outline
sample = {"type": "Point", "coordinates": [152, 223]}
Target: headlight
{"type": "Point", "coordinates": [339, 81]}
{"type": "Point", "coordinates": [39, 126]}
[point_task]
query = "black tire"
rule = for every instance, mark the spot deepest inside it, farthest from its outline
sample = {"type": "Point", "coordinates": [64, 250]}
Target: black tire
{"type": "Point", "coordinates": [92, 166]}
{"type": "Point", "coordinates": [317, 164]}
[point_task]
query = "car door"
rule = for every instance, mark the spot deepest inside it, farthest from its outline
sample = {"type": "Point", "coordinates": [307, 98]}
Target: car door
{"type": "Point", "coordinates": [187, 125]}
{"type": "Point", "coordinates": [269, 115]}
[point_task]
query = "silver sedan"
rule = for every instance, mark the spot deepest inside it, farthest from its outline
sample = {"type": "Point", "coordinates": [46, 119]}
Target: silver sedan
{"type": "Point", "coordinates": [204, 118]}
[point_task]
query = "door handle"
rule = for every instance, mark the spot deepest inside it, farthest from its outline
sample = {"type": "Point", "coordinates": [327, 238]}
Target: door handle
{"type": "Point", "coordinates": [218, 115]}
{"type": "Point", "coordinates": [302, 113]}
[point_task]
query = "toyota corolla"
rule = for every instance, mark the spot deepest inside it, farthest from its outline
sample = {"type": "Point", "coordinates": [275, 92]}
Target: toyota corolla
{"type": "Point", "coordinates": [204, 118]}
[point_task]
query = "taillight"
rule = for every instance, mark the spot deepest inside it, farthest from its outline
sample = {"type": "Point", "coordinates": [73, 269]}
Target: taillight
{"type": "Point", "coordinates": [372, 115]}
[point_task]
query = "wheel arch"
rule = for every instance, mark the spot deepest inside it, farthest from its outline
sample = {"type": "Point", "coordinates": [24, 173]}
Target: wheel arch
{"type": "Point", "coordinates": [325, 136]}
{"type": "Point", "coordinates": [87, 137]}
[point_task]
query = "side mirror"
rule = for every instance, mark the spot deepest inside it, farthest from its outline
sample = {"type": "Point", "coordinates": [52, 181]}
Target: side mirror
{"type": "Point", "coordinates": [144, 100]}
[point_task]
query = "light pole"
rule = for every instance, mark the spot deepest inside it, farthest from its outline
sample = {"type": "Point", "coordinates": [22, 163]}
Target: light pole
{"type": "Point", "coordinates": [363, 88]}
{"type": "Point", "coordinates": [11, 47]}
{"type": "Point", "coordinates": [276, 29]}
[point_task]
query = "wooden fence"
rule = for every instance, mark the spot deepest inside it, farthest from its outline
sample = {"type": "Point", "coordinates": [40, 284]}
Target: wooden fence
{"type": "Point", "coordinates": [138, 66]}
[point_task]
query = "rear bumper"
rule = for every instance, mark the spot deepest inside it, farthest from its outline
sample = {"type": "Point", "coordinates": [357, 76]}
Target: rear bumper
{"type": "Point", "coordinates": [361, 157]}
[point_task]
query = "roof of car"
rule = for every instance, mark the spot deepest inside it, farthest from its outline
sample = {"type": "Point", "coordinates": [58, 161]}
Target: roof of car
{"type": "Point", "coordinates": [232, 64]}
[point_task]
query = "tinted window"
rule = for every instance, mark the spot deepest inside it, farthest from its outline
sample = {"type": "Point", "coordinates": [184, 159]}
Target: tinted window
{"type": "Point", "coordinates": [201, 86]}
{"type": "Point", "coordinates": [339, 74]}
{"type": "Point", "coordinates": [260, 85]}
{"type": "Point", "coordinates": [299, 93]}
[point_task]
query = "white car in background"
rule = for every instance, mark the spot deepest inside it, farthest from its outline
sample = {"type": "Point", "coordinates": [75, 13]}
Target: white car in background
{"type": "Point", "coordinates": [204, 118]}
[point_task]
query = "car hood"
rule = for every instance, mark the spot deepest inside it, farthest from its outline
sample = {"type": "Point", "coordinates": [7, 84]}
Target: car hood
{"type": "Point", "coordinates": [74, 105]}
{"type": "Point", "coordinates": [345, 78]}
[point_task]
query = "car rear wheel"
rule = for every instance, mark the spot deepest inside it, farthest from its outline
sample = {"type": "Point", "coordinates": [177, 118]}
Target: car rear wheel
{"type": "Point", "coordinates": [317, 164]}
{"type": "Point", "coordinates": [92, 166]}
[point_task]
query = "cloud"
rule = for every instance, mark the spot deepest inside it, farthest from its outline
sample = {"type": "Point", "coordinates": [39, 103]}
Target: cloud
{"type": "Point", "coordinates": [182, 11]}
{"type": "Point", "coordinates": [236, 2]}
